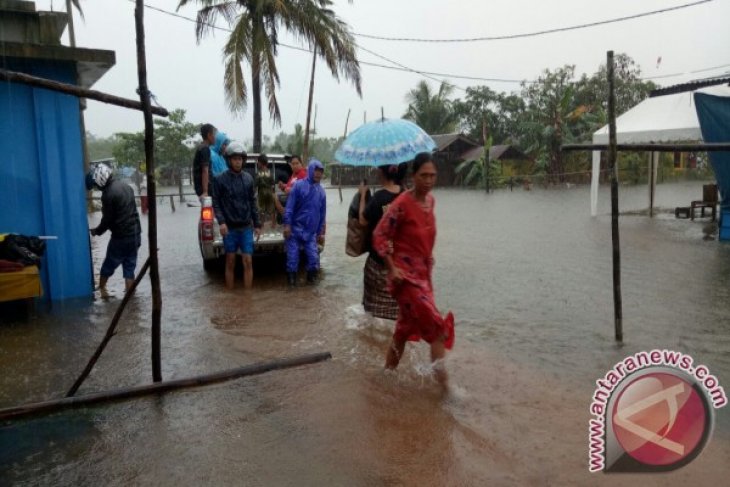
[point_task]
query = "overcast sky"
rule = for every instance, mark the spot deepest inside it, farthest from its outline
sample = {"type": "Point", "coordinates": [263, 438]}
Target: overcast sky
{"type": "Point", "coordinates": [183, 74]}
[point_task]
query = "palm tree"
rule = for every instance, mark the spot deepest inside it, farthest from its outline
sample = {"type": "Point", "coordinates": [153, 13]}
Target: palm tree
{"type": "Point", "coordinates": [431, 111]}
{"type": "Point", "coordinates": [254, 39]}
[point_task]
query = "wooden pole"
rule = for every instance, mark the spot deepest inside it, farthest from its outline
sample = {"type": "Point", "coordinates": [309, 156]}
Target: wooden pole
{"type": "Point", "coordinates": [109, 332]}
{"type": "Point", "coordinates": [53, 406]}
{"type": "Point", "coordinates": [344, 136]}
{"type": "Point", "coordinates": [651, 184]}
{"type": "Point", "coordinates": [347, 121]}
{"type": "Point", "coordinates": [149, 141]}
{"type": "Point", "coordinates": [305, 148]}
{"type": "Point", "coordinates": [613, 169]}
{"type": "Point", "coordinates": [68, 89]}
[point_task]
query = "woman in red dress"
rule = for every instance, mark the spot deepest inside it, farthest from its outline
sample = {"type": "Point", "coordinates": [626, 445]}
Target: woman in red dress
{"type": "Point", "coordinates": [405, 238]}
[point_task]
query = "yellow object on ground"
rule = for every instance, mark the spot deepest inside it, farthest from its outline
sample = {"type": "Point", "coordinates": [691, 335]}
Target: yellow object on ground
{"type": "Point", "coordinates": [21, 284]}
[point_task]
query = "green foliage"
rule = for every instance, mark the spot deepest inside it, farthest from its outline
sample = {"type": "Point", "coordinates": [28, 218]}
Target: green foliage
{"type": "Point", "coordinates": [432, 112]}
{"type": "Point", "coordinates": [319, 148]}
{"type": "Point", "coordinates": [128, 149]}
{"type": "Point", "coordinates": [172, 156]}
{"type": "Point", "coordinates": [477, 172]}
{"type": "Point", "coordinates": [552, 111]}
{"type": "Point", "coordinates": [171, 153]}
{"type": "Point", "coordinates": [629, 89]}
{"type": "Point", "coordinates": [100, 147]}
{"type": "Point", "coordinates": [501, 112]}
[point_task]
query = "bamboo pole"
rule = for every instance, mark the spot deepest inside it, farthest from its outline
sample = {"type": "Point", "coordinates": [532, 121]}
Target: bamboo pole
{"type": "Point", "coordinates": [56, 405]}
{"type": "Point", "coordinates": [344, 136]}
{"type": "Point", "coordinates": [347, 121]}
{"type": "Point", "coordinates": [305, 148]}
{"type": "Point", "coordinates": [109, 332]}
{"type": "Point", "coordinates": [613, 169]}
{"type": "Point", "coordinates": [652, 185]}
{"type": "Point", "coordinates": [68, 89]}
{"type": "Point", "coordinates": [149, 141]}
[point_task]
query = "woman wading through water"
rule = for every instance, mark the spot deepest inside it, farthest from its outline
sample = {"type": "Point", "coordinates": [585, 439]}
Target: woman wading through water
{"type": "Point", "coordinates": [405, 238]}
{"type": "Point", "coordinates": [376, 299]}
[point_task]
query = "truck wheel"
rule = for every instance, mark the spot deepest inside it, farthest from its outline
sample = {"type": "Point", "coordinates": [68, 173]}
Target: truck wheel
{"type": "Point", "coordinates": [209, 264]}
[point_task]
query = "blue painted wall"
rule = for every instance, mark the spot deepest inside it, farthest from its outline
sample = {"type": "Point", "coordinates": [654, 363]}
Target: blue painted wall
{"type": "Point", "coordinates": [41, 175]}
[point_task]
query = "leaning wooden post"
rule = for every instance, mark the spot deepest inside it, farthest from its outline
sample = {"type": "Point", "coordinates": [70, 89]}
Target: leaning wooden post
{"type": "Point", "coordinates": [109, 332]}
{"type": "Point", "coordinates": [305, 149]}
{"type": "Point", "coordinates": [35, 409]}
{"type": "Point", "coordinates": [172, 203]}
{"type": "Point", "coordinates": [144, 96]}
{"type": "Point", "coordinates": [613, 169]}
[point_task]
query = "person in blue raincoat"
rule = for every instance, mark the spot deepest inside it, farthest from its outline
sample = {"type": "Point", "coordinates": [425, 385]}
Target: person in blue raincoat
{"type": "Point", "coordinates": [304, 222]}
{"type": "Point", "coordinates": [218, 163]}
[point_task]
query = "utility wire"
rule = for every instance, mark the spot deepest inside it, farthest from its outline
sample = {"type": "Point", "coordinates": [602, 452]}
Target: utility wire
{"type": "Point", "coordinates": [396, 66]}
{"type": "Point", "coordinates": [537, 33]}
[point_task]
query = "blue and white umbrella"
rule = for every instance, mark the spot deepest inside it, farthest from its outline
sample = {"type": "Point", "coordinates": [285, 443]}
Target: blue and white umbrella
{"type": "Point", "coordinates": [384, 142]}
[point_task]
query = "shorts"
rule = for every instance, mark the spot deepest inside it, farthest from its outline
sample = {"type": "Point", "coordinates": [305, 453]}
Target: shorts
{"type": "Point", "coordinates": [121, 251]}
{"type": "Point", "coordinates": [240, 238]}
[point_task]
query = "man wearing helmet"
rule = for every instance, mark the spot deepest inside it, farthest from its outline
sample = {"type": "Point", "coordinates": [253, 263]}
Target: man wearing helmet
{"type": "Point", "coordinates": [235, 209]}
{"type": "Point", "coordinates": [119, 215]}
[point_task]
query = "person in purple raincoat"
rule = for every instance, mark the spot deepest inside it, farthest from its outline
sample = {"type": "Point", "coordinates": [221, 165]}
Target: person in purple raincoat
{"type": "Point", "coordinates": [304, 223]}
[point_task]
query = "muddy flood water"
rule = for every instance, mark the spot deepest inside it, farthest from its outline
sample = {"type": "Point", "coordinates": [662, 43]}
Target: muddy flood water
{"type": "Point", "coordinates": [528, 276]}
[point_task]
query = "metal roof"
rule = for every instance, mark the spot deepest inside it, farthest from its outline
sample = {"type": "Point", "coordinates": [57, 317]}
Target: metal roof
{"type": "Point", "coordinates": [445, 140]}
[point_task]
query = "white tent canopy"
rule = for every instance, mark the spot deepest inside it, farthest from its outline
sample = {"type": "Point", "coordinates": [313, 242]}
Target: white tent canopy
{"type": "Point", "coordinates": [662, 119]}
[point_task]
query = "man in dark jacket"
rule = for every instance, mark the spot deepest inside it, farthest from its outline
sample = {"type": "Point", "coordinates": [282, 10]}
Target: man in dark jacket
{"type": "Point", "coordinates": [235, 209]}
{"type": "Point", "coordinates": [119, 215]}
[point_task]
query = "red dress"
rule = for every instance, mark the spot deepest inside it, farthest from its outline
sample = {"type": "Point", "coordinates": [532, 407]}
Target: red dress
{"type": "Point", "coordinates": [302, 174]}
{"type": "Point", "coordinates": [407, 232]}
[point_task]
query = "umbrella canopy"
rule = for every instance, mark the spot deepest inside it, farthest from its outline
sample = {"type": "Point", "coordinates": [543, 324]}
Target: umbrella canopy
{"type": "Point", "coordinates": [384, 142]}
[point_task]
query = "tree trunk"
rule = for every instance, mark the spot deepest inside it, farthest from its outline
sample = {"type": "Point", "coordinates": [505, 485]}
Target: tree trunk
{"type": "Point", "coordinates": [256, 90]}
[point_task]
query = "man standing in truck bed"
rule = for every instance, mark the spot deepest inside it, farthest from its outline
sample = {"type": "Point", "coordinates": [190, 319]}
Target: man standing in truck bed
{"type": "Point", "coordinates": [202, 174]}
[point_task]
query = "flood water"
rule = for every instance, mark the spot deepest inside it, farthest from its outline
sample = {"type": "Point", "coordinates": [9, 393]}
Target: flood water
{"type": "Point", "coordinates": [528, 276]}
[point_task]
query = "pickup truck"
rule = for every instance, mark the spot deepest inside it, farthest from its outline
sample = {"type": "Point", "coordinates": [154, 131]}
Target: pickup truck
{"type": "Point", "coordinates": [271, 241]}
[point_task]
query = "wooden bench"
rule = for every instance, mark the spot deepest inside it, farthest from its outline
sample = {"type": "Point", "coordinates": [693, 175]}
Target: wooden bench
{"type": "Point", "coordinates": [709, 200]}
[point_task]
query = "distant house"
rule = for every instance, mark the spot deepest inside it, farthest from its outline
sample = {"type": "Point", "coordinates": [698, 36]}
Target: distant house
{"type": "Point", "coordinates": [512, 161]}
{"type": "Point", "coordinates": [450, 151]}
{"type": "Point", "coordinates": [453, 149]}
{"type": "Point", "coordinates": [42, 170]}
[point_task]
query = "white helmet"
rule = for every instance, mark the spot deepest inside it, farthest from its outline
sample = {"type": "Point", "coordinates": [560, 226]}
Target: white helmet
{"type": "Point", "coordinates": [235, 148]}
{"type": "Point", "coordinates": [99, 176]}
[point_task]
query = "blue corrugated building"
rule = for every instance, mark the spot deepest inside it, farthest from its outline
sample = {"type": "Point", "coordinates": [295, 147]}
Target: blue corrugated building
{"type": "Point", "coordinates": [41, 156]}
